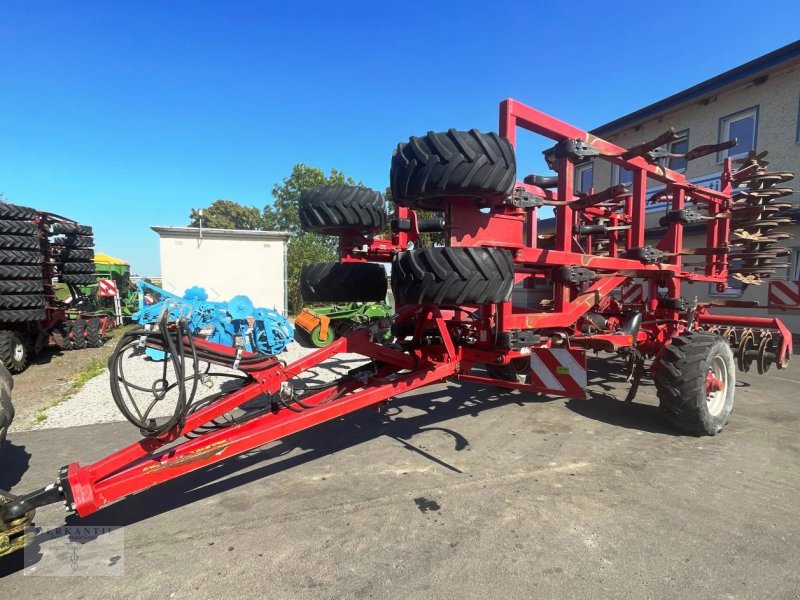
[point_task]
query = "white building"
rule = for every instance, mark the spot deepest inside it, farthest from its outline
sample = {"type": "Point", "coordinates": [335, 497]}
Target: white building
{"type": "Point", "coordinates": [226, 262]}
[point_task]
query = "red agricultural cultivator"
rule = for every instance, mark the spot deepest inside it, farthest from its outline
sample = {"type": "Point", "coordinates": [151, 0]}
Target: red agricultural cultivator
{"type": "Point", "coordinates": [457, 317]}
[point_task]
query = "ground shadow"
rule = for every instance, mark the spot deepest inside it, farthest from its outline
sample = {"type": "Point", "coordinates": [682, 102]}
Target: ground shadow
{"type": "Point", "coordinates": [402, 421]}
{"type": "Point", "coordinates": [608, 386]}
{"type": "Point", "coordinates": [45, 356]}
{"type": "Point", "coordinates": [607, 408]}
{"type": "Point", "coordinates": [15, 460]}
{"type": "Point", "coordinates": [410, 416]}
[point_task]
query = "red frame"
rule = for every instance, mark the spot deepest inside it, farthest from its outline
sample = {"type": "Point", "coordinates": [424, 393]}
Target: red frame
{"type": "Point", "coordinates": [154, 460]}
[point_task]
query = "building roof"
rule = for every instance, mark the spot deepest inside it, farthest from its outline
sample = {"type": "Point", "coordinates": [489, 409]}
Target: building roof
{"type": "Point", "coordinates": [749, 71]}
{"type": "Point", "coordinates": [205, 232]}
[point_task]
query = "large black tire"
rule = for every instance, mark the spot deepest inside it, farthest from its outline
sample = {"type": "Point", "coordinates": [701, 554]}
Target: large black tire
{"type": "Point", "coordinates": [12, 211]}
{"type": "Point", "coordinates": [453, 275]}
{"type": "Point", "coordinates": [62, 329]}
{"type": "Point", "coordinates": [78, 267]}
{"type": "Point", "coordinates": [19, 242]}
{"type": "Point", "coordinates": [73, 254]}
{"type": "Point", "coordinates": [22, 315]}
{"type": "Point", "coordinates": [76, 241]}
{"type": "Point", "coordinates": [343, 282]}
{"type": "Point", "coordinates": [681, 378]}
{"type": "Point", "coordinates": [73, 228]}
{"type": "Point", "coordinates": [337, 209]}
{"type": "Point", "coordinates": [93, 337]}
{"type": "Point", "coordinates": [20, 271]}
{"type": "Point", "coordinates": [21, 300]}
{"type": "Point", "coordinates": [20, 257]}
{"type": "Point", "coordinates": [13, 351]}
{"type": "Point", "coordinates": [6, 408]}
{"type": "Point", "coordinates": [21, 286]}
{"type": "Point", "coordinates": [78, 279]}
{"type": "Point", "coordinates": [78, 339]}
{"type": "Point", "coordinates": [428, 169]}
{"type": "Point", "coordinates": [17, 227]}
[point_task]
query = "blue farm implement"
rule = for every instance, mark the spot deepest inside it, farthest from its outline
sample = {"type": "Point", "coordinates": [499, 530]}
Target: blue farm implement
{"type": "Point", "coordinates": [236, 323]}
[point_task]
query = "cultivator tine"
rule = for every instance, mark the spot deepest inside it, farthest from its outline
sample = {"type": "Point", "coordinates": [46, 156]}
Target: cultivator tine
{"type": "Point", "coordinates": [610, 193]}
{"type": "Point", "coordinates": [707, 149]}
{"type": "Point", "coordinates": [646, 147]}
{"type": "Point", "coordinates": [756, 215]}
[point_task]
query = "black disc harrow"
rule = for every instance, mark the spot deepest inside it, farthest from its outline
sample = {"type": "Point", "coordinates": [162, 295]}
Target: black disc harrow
{"type": "Point", "coordinates": [758, 203]}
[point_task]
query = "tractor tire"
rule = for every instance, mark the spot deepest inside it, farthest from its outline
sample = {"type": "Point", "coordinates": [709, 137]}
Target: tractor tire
{"type": "Point", "coordinates": [12, 211]}
{"type": "Point", "coordinates": [78, 339]}
{"type": "Point", "coordinates": [343, 282]}
{"type": "Point", "coordinates": [337, 209]}
{"type": "Point", "coordinates": [19, 242]}
{"type": "Point", "coordinates": [682, 377]}
{"type": "Point", "coordinates": [73, 254]}
{"type": "Point", "coordinates": [71, 228]}
{"type": "Point", "coordinates": [6, 408]}
{"type": "Point", "coordinates": [17, 228]}
{"type": "Point", "coordinates": [22, 315]}
{"type": "Point", "coordinates": [62, 330]}
{"type": "Point", "coordinates": [78, 267]}
{"type": "Point", "coordinates": [78, 279]}
{"type": "Point", "coordinates": [74, 241]}
{"type": "Point", "coordinates": [21, 286]}
{"type": "Point", "coordinates": [21, 301]}
{"type": "Point", "coordinates": [20, 257]}
{"type": "Point", "coordinates": [13, 351]}
{"type": "Point", "coordinates": [21, 271]}
{"type": "Point", "coordinates": [426, 170]}
{"type": "Point", "coordinates": [453, 275]}
{"type": "Point", "coordinates": [93, 337]}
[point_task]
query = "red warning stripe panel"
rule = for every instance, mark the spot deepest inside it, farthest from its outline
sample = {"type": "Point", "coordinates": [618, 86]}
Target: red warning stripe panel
{"type": "Point", "coordinates": [559, 371]}
{"type": "Point", "coordinates": [106, 287]}
{"type": "Point", "coordinates": [784, 294]}
{"type": "Point", "coordinates": [633, 294]}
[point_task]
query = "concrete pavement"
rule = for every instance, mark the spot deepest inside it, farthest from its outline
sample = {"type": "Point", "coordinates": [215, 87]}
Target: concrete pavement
{"type": "Point", "coordinates": [460, 491]}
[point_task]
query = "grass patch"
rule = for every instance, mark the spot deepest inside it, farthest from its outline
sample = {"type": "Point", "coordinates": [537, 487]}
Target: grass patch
{"type": "Point", "coordinates": [95, 367]}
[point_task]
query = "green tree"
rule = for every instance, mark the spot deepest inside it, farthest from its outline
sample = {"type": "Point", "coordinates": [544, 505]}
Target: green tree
{"type": "Point", "coordinates": [227, 214]}
{"type": "Point", "coordinates": [282, 215]}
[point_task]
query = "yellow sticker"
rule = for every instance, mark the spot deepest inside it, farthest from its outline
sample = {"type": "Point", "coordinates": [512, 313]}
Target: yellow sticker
{"type": "Point", "coordinates": [562, 370]}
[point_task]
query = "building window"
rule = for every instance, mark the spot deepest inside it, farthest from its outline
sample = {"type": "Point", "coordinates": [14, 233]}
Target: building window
{"type": "Point", "coordinates": [744, 127]}
{"type": "Point", "coordinates": [678, 146]}
{"type": "Point", "coordinates": [583, 178]}
{"type": "Point", "coordinates": [622, 175]}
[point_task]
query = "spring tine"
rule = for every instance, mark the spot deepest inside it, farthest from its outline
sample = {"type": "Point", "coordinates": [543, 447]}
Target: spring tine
{"type": "Point", "coordinates": [644, 148]}
{"type": "Point", "coordinates": [707, 149]}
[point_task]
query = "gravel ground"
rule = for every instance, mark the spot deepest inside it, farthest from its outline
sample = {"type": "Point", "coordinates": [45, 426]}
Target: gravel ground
{"type": "Point", "coordinates": [94, 403]}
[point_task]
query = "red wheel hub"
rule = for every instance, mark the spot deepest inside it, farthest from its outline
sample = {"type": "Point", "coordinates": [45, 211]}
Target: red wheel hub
{"type": "Point", "coordinates": [713, 384]}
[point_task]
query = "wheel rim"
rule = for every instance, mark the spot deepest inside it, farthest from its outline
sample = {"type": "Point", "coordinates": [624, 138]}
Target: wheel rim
{"type": "Point", "coordinates": [19, 352]}
{"type": "Point", "coordinates": [717, 385]}
{"type": "Point", "coordinates": [315, 339]}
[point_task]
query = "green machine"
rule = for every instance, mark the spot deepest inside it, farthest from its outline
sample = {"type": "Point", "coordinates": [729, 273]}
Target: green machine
{"type": "Point", "coordinates": [324, 324]}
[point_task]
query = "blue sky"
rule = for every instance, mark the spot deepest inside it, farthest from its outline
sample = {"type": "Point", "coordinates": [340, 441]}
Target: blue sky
{"type": "Point", "coordinates": [124, 115]}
